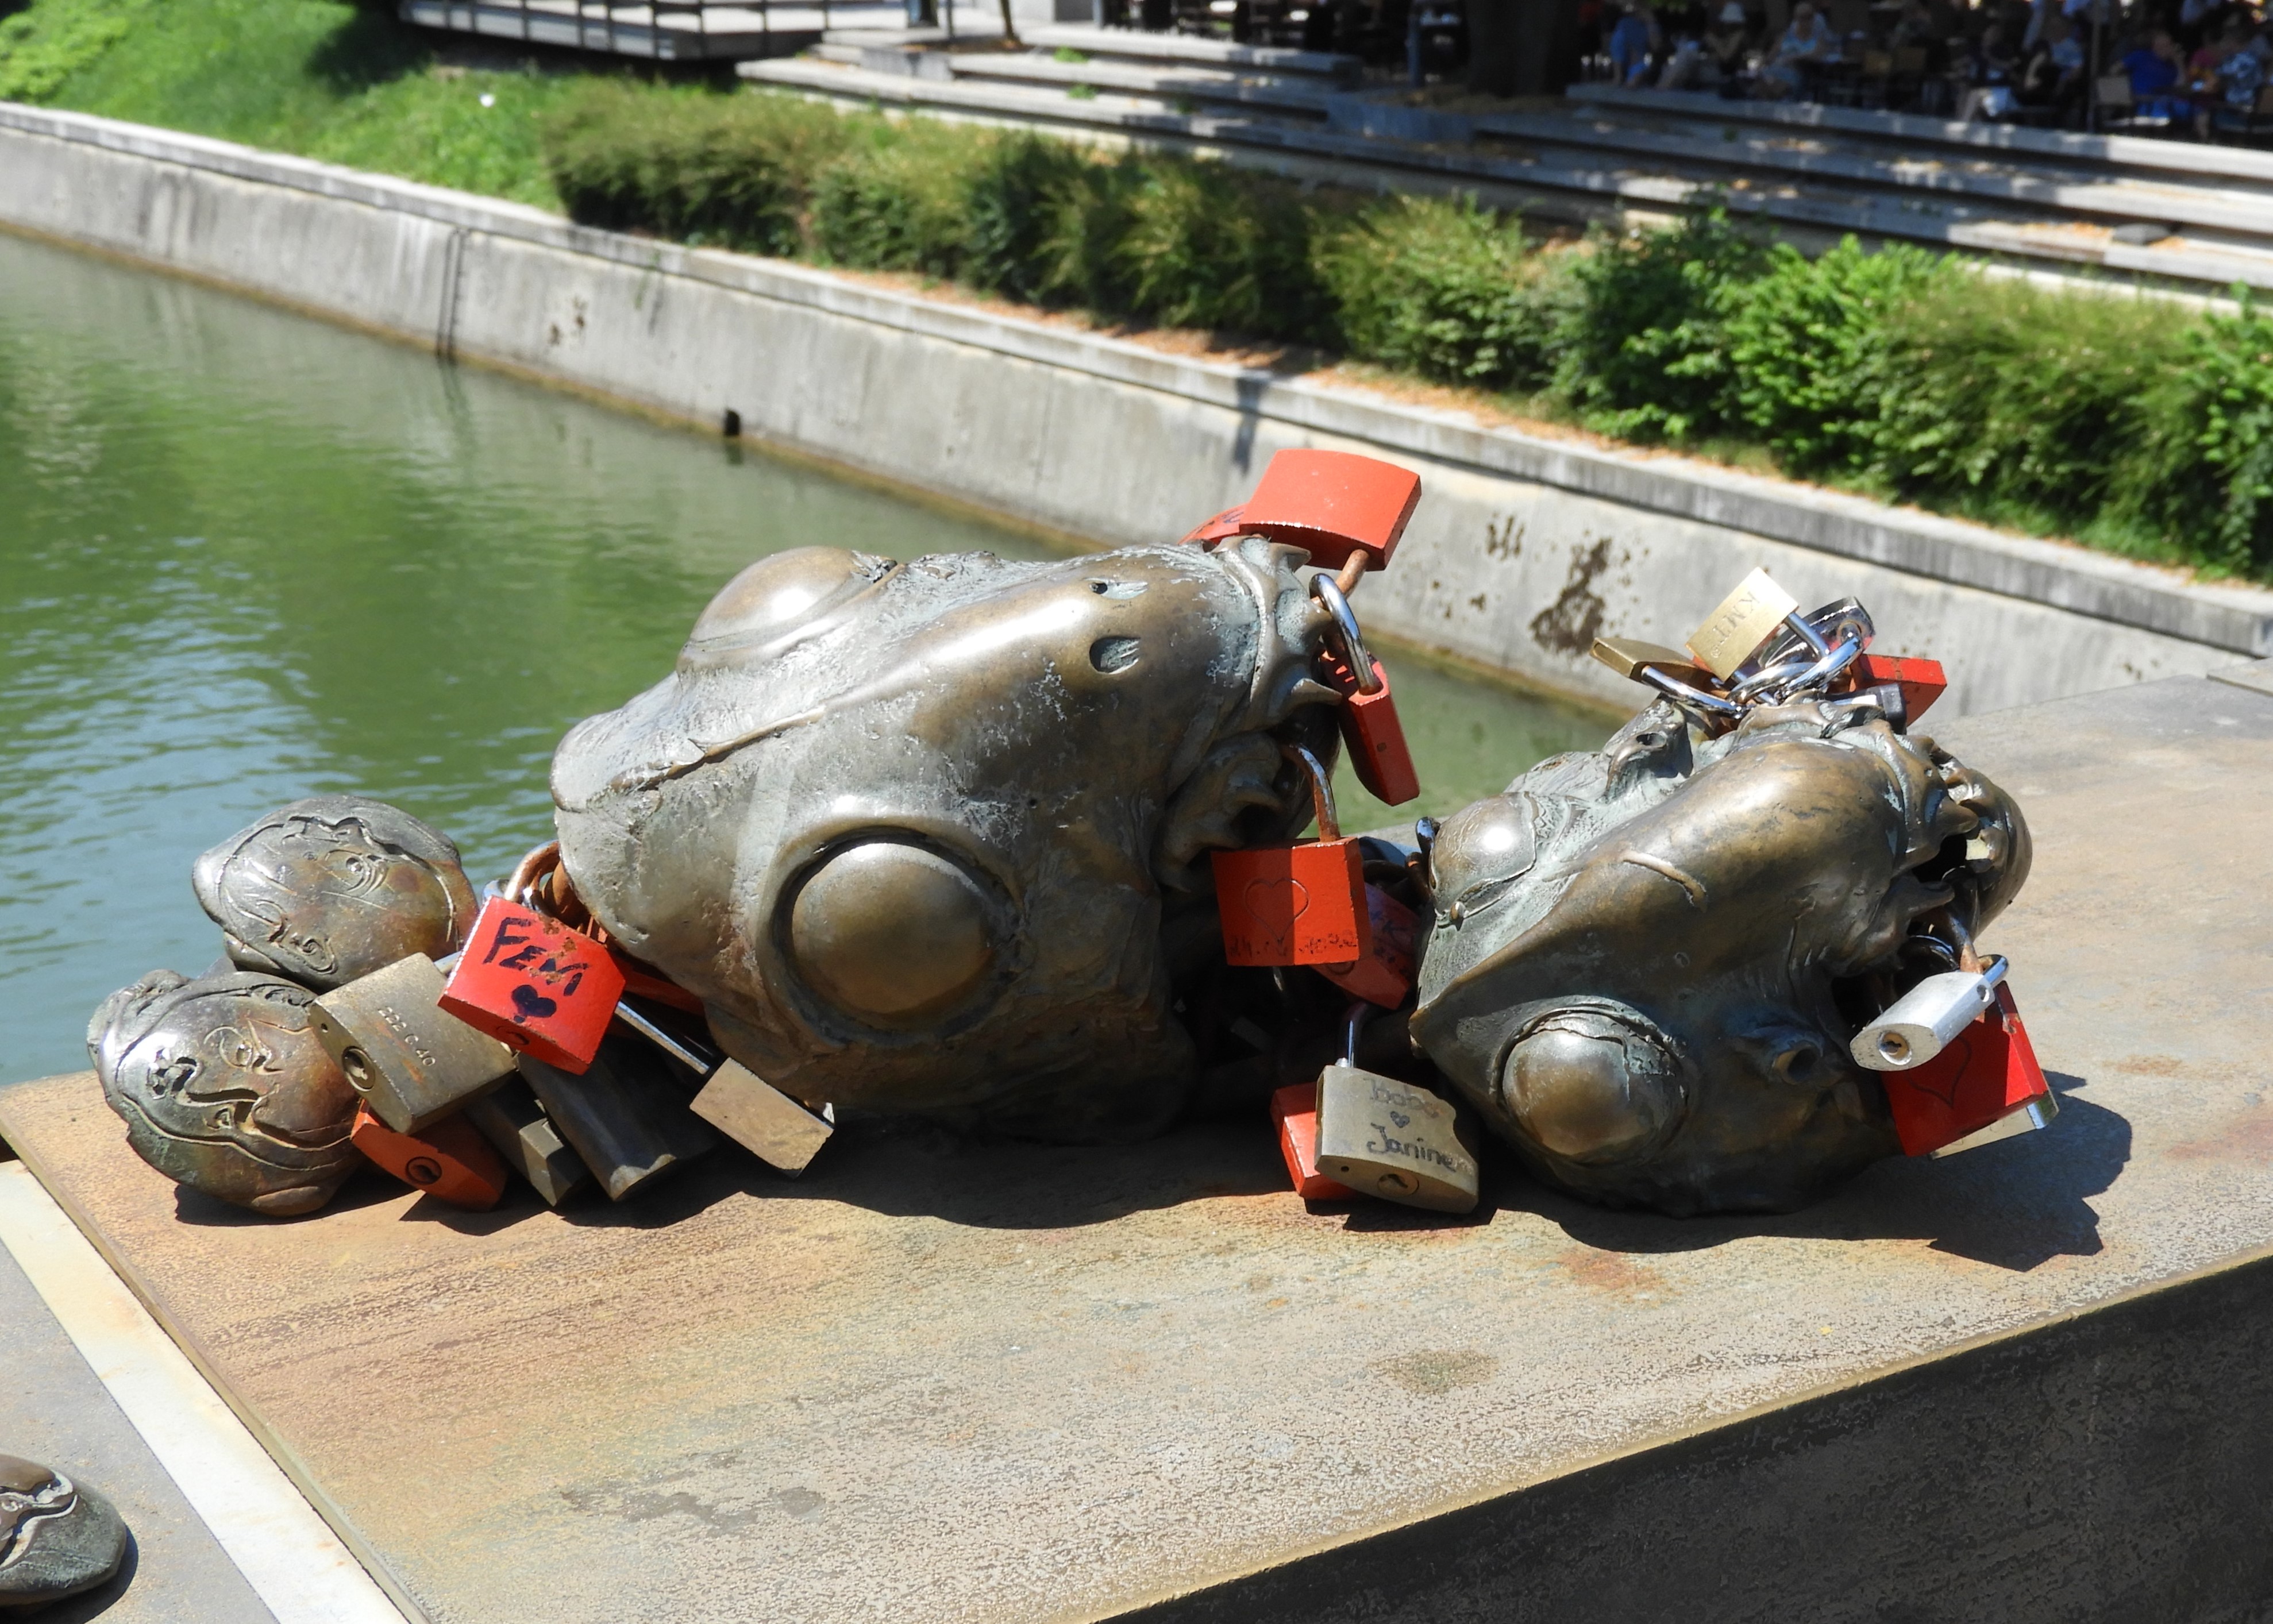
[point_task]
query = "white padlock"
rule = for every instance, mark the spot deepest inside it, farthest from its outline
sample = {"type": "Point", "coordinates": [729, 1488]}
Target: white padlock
{"type": "Point", "coordinates": [1925, 1019]}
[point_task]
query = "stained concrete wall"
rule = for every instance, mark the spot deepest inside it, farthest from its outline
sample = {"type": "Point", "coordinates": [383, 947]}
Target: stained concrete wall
{"type": "Point", "coordinates": [1523, 548]}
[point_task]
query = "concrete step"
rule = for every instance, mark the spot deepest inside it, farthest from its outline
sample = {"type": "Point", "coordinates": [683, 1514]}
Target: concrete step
{"type": "Point", "coordinates": [1133, 45]}
{"type": "Point", "coordinates": [1297, 95]}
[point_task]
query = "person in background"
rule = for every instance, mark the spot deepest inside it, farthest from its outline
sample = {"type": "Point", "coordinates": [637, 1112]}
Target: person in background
{"type": "Point", "coordinates": [1728, 39]}
{"type": "Point", "coordinates": [1633, 42]}
{"type": "Point", "coordinates": [1807, 45]}
{"type": "Point", "coordinates": [2232, 85]}
{"type": "Point", "coordinates": [2054, 75]}
{"type": "Point", "coordinates": [2152, 67]}
{"type": "Point", "coordinates": [1989, 69]}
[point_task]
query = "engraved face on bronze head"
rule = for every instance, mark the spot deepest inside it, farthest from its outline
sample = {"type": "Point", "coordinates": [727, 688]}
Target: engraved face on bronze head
{"type": "Point", "coordinates": [1647, 962]}
{"type": "Point", "coordinates": [920, 836]}
{"type": "Point", "coordinates": [224, 1087]}
{"type": "Point", "coordinates": [329, 889]}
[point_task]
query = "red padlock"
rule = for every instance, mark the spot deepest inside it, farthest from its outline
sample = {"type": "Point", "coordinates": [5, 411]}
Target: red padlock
{"type": "Point", "coordinates": [1383, 976]}
{"type": "Point", "coordinates": [1987, 1074]}
{"type": "Point", "coordinates": [1333, 503]}
{"type": "Point", "coordinates": [449, 1160]}
{"type": "Point", "coordinates": [534, 984]}
{"type": "Point", "coordinates": [1295, 1109]}
{"type": "Point", "coordinates": [1921, 680]}
{"type": "Point", "coordinates": [1224, 525]}
{"type": "Point", "coordinates": [1299, 904]}
{"type": "Point", "coordinates": [1371, 730]}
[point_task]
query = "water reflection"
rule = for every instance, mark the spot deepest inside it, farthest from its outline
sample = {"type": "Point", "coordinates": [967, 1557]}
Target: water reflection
{"type": "Point", "coordinates": [246, 556]}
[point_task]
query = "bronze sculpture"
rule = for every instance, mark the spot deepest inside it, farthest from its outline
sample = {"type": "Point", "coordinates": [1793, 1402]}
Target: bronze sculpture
{"type": "Point", "coordinates": [224, 1087]}
{"type": "Point", "coordinates": [58, 1537]}
{"type": "Point", "coordinates": [941, 840]}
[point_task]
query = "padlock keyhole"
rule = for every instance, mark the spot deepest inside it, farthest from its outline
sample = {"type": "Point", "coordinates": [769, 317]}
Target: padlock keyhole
{"type": "Point", "coordinates": [1894, 1046]}
{"type": "Point", "coordinates": [358, 1067]}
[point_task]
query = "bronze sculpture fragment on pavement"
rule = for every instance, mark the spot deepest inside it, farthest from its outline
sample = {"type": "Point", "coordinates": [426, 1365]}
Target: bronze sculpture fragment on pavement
{"type": "Point", "coordinates": [58, 1537]}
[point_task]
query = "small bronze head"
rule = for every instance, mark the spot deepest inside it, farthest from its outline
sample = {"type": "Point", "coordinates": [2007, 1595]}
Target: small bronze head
{"type": "Point", "coordinates": [57, 1538]}
{"type": "Point", "coordinates": [224, 1087]}
{"type": "Point", "coordinates": [1647, 962]}
{"type": "Point", "coordinates": [915, 833]}
{"type": "Point", "coordinates": [328, 890]}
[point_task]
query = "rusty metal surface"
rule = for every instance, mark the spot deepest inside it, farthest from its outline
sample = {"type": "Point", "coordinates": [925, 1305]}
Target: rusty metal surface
{"type": "Point", "coordinates": [934, 1381]}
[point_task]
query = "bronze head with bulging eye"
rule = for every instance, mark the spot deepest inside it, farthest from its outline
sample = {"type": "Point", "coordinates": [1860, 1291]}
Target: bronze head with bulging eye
{"type": "Point", "coordinates": [328, 889]}
{"type": "Point", "coordinates": [1646, 962]}
{"type": "Point", "coordinates": [923, 837]}
{"type": "Point", "coordinates": [224, 1087]}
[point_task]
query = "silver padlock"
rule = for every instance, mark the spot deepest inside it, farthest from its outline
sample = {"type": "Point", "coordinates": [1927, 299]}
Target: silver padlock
{"type": "Point", "coordinates": [760, 1118]}
{"type": "Point", "coordinates": [413, 1062]}
{"type": "Point", "coordinates": [1394, 1140]}
{"type": "Point", "coordinates": [511, 1120]}
{"type": "Point", "coordinates": [622, 1115]}
{"type": "Point", "coordinates": [1927, 1019]}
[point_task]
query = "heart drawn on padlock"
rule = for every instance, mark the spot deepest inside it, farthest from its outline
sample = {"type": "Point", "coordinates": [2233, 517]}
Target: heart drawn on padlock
{"type": "Point", "coordinates": [530, 1005]}
{"type": "Point", "coordinates": [1400, 1118]}
{"type": "Point", "coordinates": [1940, 1076]}
{"type": "Point", "coordinates": [1260, 900]}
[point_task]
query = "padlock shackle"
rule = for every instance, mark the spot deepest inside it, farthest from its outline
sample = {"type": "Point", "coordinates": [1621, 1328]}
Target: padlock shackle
{"type": "Point", "coordinates": [1328, 591]}
{"type": "Point", "coordinates": [1354, 1022]}
{"type": "Point", "coordinates": [1321, 790]}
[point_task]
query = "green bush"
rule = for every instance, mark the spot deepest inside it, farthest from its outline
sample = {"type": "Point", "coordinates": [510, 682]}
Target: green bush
{"type": "Point", "coordinates": [2020, 402]}
{"type": "Point", "coordinates": [1205, 245]}
{"type": "Point", "coordinates": [736, 171]}
{"type": "Point", "coordinates": [1807, 346]}
{"type": "Point", "coordinates": [1645, 355]}
{"type": "Point", "coordinates": [2199, 476]}
{"type": "Point", "coordinates": [1019, 202]}
{"type": "Point", "coordinates": [1448, 290]}
{"type": "Point", "coordinates": [899, 199]}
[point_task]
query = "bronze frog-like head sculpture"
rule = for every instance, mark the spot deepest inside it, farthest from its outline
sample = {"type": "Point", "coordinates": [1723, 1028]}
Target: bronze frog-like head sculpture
{"type": "Point", "coordinates": [1647, 962]}
{"type": "Point", "coordinates": [927, 837]}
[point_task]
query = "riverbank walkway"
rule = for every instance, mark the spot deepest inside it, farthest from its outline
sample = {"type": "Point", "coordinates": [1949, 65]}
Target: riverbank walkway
{"type": "Point", "coordinates": [960, 1382]}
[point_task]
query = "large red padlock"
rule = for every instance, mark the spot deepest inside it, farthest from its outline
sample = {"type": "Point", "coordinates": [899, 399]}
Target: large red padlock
{"type": "Point", "coordinates": [1295, 1109]}
{"type": "Point", "coordinates": [1383, 975]}
{"type": "Point", "coordinates": [1333, 503]}
{"type": "Point", "coordinates": [1299, 904]}
{"type": "Point", "coordinates": [536, 985]}
{"type": "Point", "coordinates": [449, 1160]}
{"type": "Point", "coordinates": [1987, 1074]}
{"type": "Point", "coordinates": [1922, 681]}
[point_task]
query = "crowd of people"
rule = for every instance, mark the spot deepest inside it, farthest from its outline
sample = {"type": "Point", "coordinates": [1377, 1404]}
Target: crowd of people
{"type": "Point", "coordinates": [2198, 66]}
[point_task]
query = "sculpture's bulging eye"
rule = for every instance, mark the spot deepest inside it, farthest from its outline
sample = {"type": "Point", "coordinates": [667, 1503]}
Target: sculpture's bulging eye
{"type": "Point", "coordinates": [1590, 1087]}
{"type": "Point", "coordinates": [892, 934]}
{"type": "Point", "coordinates": [776, 595]}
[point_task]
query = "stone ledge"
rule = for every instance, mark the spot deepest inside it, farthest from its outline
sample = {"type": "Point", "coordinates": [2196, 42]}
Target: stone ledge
{"type": "Point", "coordinates": [2056, 574]}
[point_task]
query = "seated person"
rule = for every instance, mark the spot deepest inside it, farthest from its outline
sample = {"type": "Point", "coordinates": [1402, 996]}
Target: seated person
{"type": "Point", "coordinates": [2231, 91]}
{"type": "Point", "coordinates": [2153, 69]}
{"type": "Point", "coordinates": [1631, 42]}
{"type": "Point", "coordinates": [1807, 45]}
{"type": "Point", "coordinates": [2054, 75]}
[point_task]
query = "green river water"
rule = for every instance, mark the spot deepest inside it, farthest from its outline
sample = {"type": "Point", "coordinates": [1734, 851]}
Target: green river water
{"type": "Point", "coordinates": [247, 557]}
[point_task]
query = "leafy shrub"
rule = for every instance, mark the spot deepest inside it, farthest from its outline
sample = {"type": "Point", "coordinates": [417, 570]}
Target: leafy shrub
{"type": "Point", "coordinates": [2013, 397]}
{"type": "Point", "coordinates": [900, 198]}
{"type": "Point", "coordinates": [2202, 469]}
{"type": "Point", "coordinates": [732, 170]}
{"type": "Point", "coordinates": [1807, 349]}
{"type": "Point", "coordinates": [40, 50]}
{"type": "Point", "coordinates": [1646, 352]}
{"type": "Point", "coordinates": [1206, 245]}
{"type": "Point", "coordinates": [1448, 290]}
{"type": "Point", "coordinates": [1019, 199]}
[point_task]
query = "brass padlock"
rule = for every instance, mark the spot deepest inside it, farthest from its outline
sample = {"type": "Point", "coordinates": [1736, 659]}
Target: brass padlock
{"type": "Point", "coordinates": [1740, 623]}
{"type": "Point", "coordinates": [412, 1062]}
{"type": "Point", "coordinates": [760, 1118]}
{"type": "Point", "coordinates": [622, 1115]}
{"type": "Point", "coordinates": [511, 1120]}
{"type": "Point", "coordinates": [1393, 1140]}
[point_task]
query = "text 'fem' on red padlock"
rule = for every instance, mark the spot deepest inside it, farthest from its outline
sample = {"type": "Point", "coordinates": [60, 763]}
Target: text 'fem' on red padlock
{"type": "Point", "coordinates": [534, 984]}
{"type": "Point", "coordinates": [1984, 1085]}
{"type": "Point", "coordinates": [1371, 730]}
{"type": "Point", "coordinates": [1299, 904]}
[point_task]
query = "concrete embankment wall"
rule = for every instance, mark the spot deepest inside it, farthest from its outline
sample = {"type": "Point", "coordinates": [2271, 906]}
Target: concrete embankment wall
{"type": "Point", "coordinates": [1524, 547]}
